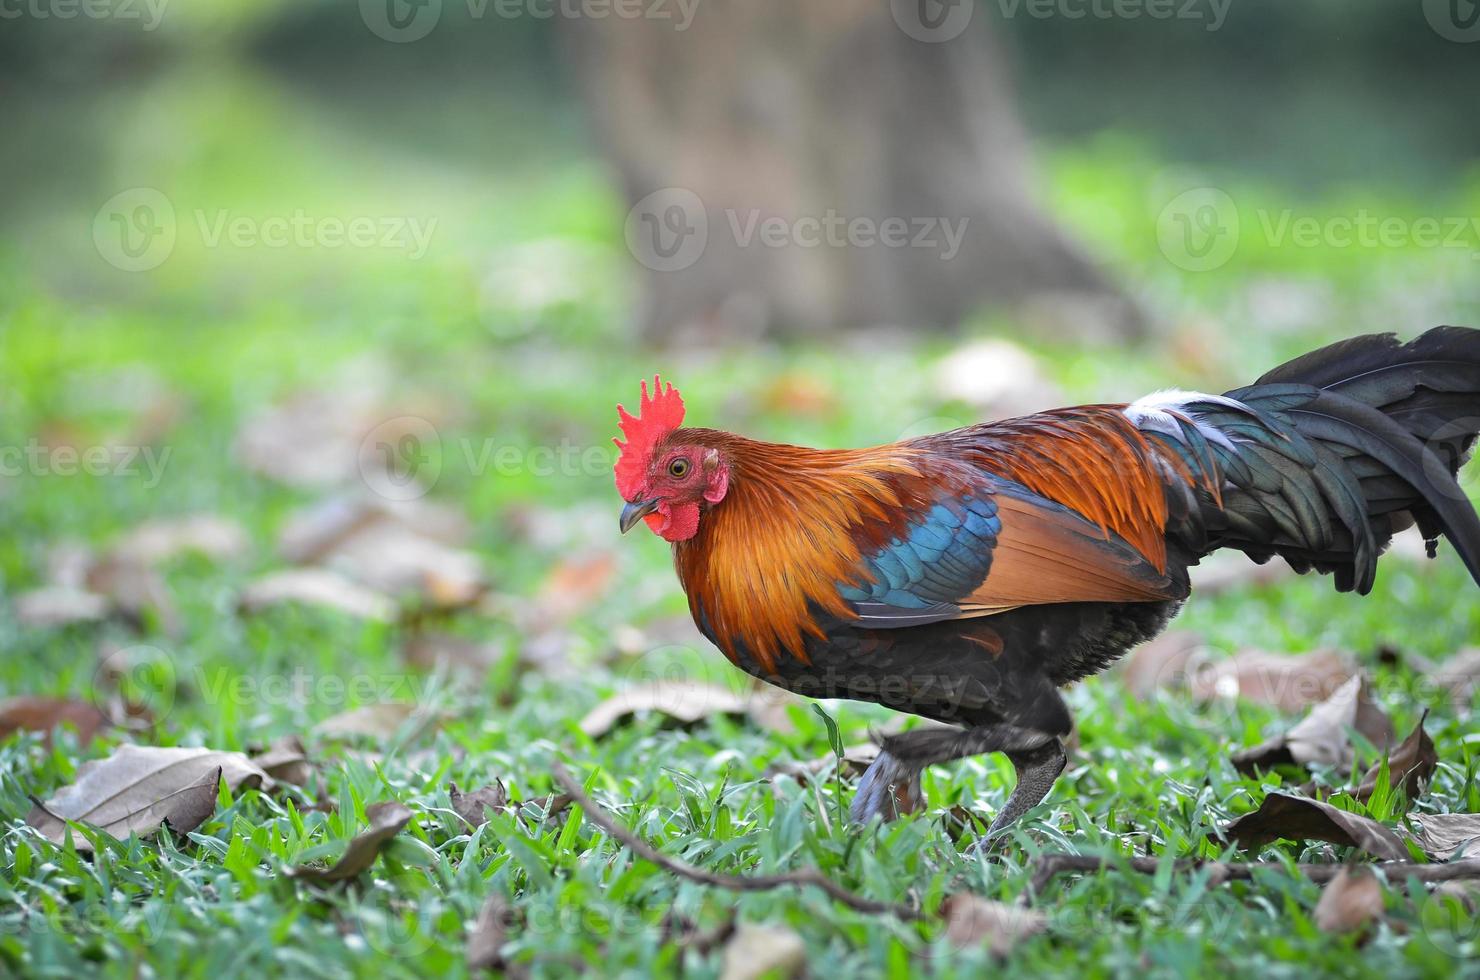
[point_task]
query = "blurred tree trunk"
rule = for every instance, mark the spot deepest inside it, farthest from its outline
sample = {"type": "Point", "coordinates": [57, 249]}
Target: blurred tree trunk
{"type": "Point", "coordinates": [826, 110]}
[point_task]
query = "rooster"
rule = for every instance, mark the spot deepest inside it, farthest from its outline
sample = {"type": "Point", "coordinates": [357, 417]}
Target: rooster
{"type": "Point", "coordinates": [967, 576]}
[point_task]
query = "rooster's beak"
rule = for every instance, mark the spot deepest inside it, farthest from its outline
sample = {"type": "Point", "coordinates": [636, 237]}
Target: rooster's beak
{"type": "Point", "coordinates": [636, 511]}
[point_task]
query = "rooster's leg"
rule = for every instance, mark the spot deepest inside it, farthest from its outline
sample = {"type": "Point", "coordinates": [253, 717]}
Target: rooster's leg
{"type": "Point", "coordinates": [892, 783]}
{"type": "Point", "coordinates": [1037, 770]}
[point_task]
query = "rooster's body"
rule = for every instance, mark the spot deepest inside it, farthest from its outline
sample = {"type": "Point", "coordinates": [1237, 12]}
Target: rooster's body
{"type": "Point", "coordinates": [966, 576]}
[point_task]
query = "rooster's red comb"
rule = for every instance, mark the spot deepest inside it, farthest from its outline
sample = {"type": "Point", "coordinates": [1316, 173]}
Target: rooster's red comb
{"type": "Point", "coordinates": [658, 414]}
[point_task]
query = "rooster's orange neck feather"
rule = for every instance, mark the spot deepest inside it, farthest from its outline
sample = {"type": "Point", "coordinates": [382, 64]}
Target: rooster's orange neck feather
{"type": "Point", "coordinates": [789, 529]}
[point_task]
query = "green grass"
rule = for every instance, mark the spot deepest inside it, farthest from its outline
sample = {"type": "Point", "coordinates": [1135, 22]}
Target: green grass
{"type": "Point", "coordinates": [231, 333]}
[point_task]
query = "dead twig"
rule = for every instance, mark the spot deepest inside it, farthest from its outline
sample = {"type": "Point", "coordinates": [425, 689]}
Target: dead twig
{"type": "Point", "coordinates": [600, 816]}
{"type": "Point", "coordinates": [1049, 865]}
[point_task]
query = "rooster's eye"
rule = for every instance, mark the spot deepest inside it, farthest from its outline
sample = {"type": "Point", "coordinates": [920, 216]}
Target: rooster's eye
{"type": "Point", "coordinates": [679, 468]}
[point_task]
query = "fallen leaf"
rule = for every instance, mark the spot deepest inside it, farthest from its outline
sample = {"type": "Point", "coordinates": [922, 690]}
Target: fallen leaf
{"type": "Point", "coordinates": [756, 950]}
{"type": "Point", "coordinates": [974, 921]}
{"type": "Point", "coordinates": [59, 605]}
{"type": "Point", "coordinates": [1321, 737]}
{"type": "Point", "coordinates": [1350, 901]}
{"type": "Point", "coordinates": [135, 590]}
{"type": "Point", "coordinates": [794, 393]}
{"type": "Point", "coordinates": [136, 788]}
{"type": "Point", "coordinates": [285, 760]}
{"type": "Point", "coordinates": [194, 804]}
{"type": "Point", "coordinates": [435, 651]}
{"type": "Point", "coordinates": [386, 821]}
{"type": "Point", "coordinates": [1460, 674]}
{"type": "Point", "coordinates": [472, 806]}
{"type": "Point", "coordinates": [686, 702]}
{"type": "Point", "coordinates": [489, 933]}
{"type": "Point", "coordinates": [1442, 834]}
{"type": "Point", "coordinates": [378, 721]}
{"type": "Point", "coordinates": [396, 560]}
{"type": "Point", "coordinates": [209, 535]}
{"type": "Point", "coordinates": [575, 585]}
{"type": "Point", "coordinates": [1410, 765]}
{"type": "Point", "coordinates": [1283, 816]}
{"type": "Point", "coordinates": [1287, 681]}
{"type": "Point", "coordinates": [42, 714]}
{"type": "Point", "coordinates": [316, 587]}
{"type": "Point", "coordinates": [1161, 663]}
{"type": "Point", "coordinates": [1229, 570]}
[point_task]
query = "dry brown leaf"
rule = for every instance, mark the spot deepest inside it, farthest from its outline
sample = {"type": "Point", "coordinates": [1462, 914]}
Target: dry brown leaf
{"type": "Point", "coordinates": [1321, 737]}
{"type": "Point", "coordinates": [1411, 765]}
{"type": "Point", "coordinates": [285, 760]}
{"type": "Point", "coordinates": [137, 787]}
{"type": "Point", "coordinates": [1460, 674]}
{"type": "Point", "coordinates": [575, 585]}
{"type": "Point", "coordinates": [395, 560]}
{"type": "Point", "coordinates": [686, 702]}
{"type": "Point", "coordinates": [1164, 662]}
{"type": "Point", "coordinates": [472, 806]}
{"type": "Point", "coordinates": [59, 605]}
{"type": "Point", "coordinates": [756, 950]}
{"type": "Point", "coordinates": [210, 535]}
{"type": "Point", "coordinates": [489, 933]}
{"type": "Point", "coordinates": [794, 393]}
{"type": "Point", "coordinates": [1287, 681]}
{"type": "Point", "coordinates": [1442, 834]}
{"type": "Point", "coordinates": [1350, 902]}
{"type": "Point", "coordinates": [134, 590]}
{"type": "Point", "coordinates": [378, 721]}
{"type": "Point", "coordinates": [1282, 815]}
{"type": "Point", "coordinates": [386, 821]}
{"type": "Point", "coordinates": [974, 921]}
{"type": "Point", "coordinates": [42, 714]}
{"type": "Point", "coordinates": [316, 587]}
{"type": "Point", "coordinates": [1229, 570]}
{"type": "Point", "coordinates": [313, 533]}
{"type": "Point", "coordinates": [434, 651]}
{"type": "Point", "coordinates": [195, 804]}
